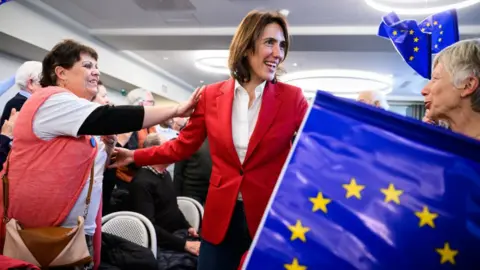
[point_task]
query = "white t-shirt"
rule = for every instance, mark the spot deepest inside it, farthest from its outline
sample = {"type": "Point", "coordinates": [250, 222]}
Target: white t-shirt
{"type": "Point", "coordinates": [62, 115]}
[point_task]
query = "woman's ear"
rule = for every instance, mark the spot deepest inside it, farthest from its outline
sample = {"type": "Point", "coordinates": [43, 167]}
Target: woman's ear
{"type": "Point", "coordinates": [60, 72]}
{"type": "Point", "coordinates": [471, 85]}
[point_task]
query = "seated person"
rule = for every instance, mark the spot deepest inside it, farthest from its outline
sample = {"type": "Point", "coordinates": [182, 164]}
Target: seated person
{"type": "Point", "coordinates": [152, 195]}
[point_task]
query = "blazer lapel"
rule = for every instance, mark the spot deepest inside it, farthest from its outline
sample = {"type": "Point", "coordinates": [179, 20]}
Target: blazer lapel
{"type": "Point", "coordinates": [224, 115]}
{"type": "Point", "coordinates": [270, 104]}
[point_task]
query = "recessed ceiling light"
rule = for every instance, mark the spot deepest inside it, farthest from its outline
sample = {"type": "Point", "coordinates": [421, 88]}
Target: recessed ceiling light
{"type": "Point", "coordinates": [340, 82]}
{"type": "Point", "coordinates": [165, 58]}
{"type": "Point", "coordinates": [294, 64]}
{"type": "Point", "coordinates": [213, 65]}
{"type": "Point", "coordinates": [285, 12]}
{"type": "Point", "coordinates": [201, 82]}
{"type": "Point", "coordinates": [384, 6]}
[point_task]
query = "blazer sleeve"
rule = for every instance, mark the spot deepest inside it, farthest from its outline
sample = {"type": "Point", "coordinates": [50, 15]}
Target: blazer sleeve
{"type": "Point", "coordinates": [188, 141]}
{"type": "Point", "coordinates": [302, 107]}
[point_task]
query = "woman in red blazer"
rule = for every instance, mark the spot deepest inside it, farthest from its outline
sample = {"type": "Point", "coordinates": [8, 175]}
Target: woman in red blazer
{"type": "Point", "coordinates": [249, 120]}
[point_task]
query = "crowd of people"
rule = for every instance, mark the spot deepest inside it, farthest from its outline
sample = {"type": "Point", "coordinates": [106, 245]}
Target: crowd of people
{"type": "Point", "coordinates": [70, 156]}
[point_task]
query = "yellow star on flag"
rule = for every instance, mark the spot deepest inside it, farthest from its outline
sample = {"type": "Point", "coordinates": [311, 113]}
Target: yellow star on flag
{"type": "Point", "coordinates": [392, 194]}
{"type": "Point", "coordinates": [416, 39]}
{"type": "Point", "coordinates": [298, 231]}
{"type": "Point", "coordinates": [353, 189]}
{"type": "Point", "coordinates": [440, 26]}
{"type": "Point", "coordinates": [416, 49]}
{"type": "Point", "coordinates": [423, 29]}
{"type": "Point", "coordinates": [320, 202]}
{"type": "Point", "coordinates": [411, 58]}
{"type": "Point", "coordinates": [394, 33]}
{"type": "Point", "coordinates": [295, 265]}
{"type": "Point", "coordinates": [428, 24]}
{"type": "Point", "coordinates": [426, 217]}
{"type": "Point", "coordinates": [436, 46]}
{"type": "Point", "coordinates": [411, 32]}
{"type": "Point", "coordinates": [435, 23]}
{"type": "Point", "coordinates": [439, 39]}
{"type": "Point", "coordinates": [447, 254]}
{"type": "Point", "coordinates": [441, 32]}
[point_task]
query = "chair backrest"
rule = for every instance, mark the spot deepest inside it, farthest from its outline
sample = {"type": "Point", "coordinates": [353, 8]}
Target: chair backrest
{"type": "Point", "coordinates": [190, 211]}
{"type": "Point", "coordinates": [197, 204]}
{"type": "Point", "coordinates": [133, 227]}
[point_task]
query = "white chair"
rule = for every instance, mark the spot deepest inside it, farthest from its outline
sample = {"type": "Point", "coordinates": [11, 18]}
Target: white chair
{"type": "Point", "coordinates": [133, 227]}
{"type": "Point", "coordinates": [192, 210]}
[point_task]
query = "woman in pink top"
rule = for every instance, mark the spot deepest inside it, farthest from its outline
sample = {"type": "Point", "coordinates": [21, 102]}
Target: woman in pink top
{"type": "Point", "coordinates": [53, 152]}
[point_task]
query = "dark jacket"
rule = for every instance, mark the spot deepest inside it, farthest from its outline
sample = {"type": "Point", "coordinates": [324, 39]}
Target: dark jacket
{"type": "Point", "coordinates": [153, 196]}
{"type": "Point", "coordinates": [16, 102]}
{"type": "Point", "coordinates": [118, 253]}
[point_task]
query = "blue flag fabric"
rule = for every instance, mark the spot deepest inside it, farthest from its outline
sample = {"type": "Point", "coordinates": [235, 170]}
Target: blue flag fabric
{"type": "Point", "coordinates": [4, 1]}
{"type": "Point", "coordinates": [6, 84]}
{"type": "Point", "coordinates": [411, 43]}
{"type": "Point", "coordinates": [367, 189]}
{"type": "Point", "coordinates": [443, 28]}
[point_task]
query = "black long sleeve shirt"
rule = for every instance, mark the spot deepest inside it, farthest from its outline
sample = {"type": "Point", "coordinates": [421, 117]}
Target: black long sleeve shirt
{"type": "Point", "coordinates": [154, 197]}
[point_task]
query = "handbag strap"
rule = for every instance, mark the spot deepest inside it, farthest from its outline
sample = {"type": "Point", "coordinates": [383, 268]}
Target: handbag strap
{"type": "Point", "coordinates": [5, 190]}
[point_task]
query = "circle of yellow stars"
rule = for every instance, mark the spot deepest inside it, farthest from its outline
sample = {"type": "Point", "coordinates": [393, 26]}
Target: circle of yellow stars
{"type": "Point", "coordinates": [353, 190]}
{"type": "Point", "coordinates": [416, 39]}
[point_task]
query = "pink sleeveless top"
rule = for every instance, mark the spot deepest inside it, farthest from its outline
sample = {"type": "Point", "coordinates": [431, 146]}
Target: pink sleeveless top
{"type": "Point", "coordinates": [45, 177]}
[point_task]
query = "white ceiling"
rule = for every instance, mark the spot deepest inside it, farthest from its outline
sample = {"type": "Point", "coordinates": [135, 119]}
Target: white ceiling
{"type": "Point", "coordinates": [172, 34]}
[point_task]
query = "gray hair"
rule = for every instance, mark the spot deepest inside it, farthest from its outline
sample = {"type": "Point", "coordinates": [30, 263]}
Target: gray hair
{"type": "Point", "coordinates": [30, 70]}
{"type": "Point", "coordinates": [462, 60]}
{"type": "Point", "coordinates": [152, 139]}
{"type": "Point", "coordinates": [137, 95]}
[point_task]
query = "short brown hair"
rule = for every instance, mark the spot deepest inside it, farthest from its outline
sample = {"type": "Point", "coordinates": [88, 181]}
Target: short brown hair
{"type": "Point", "coordinates": [250, 30]}
{"type": "Point", "coordinates": [65, 54]}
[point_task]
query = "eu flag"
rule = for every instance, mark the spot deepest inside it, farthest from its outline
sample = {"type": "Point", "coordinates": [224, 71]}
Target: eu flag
{"type": "Point", "coordinates": [367, 189]}
{"type": "Point", "coordinates": [411, 43]}
{"type": "Point", "coordinates": [4, 1]}
{"type": "Point", "coordinates": [443, 28]}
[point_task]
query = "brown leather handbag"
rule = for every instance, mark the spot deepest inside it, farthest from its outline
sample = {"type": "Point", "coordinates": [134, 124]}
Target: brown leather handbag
{"type": "Point", "coordinates": [48, 246]}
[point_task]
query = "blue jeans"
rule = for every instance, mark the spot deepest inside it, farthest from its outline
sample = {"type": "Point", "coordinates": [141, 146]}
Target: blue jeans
{"type": "Point", "coordinates": [227, 254]}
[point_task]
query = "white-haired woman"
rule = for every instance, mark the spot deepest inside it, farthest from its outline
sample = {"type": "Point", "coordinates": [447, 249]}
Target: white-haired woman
{"type": "Point", "coordinates": [453, 93]}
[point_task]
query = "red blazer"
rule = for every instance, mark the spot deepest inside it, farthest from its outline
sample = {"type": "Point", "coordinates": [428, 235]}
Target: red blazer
{"type": "Point", "coordinates": [281, 114]}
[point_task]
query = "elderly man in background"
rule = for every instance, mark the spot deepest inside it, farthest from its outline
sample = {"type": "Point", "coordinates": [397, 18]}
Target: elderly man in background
{"type": "Point", "coordinates": [27, 80]}
{"type": "Point", "coordinates": [373, 98]}
{"type": "Point", "coordinates": [453, 93]}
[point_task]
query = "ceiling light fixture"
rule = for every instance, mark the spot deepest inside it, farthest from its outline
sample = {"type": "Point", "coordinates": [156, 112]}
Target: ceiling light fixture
{"type": "Point", "coordinates": [399, 8]}
{"type": "Point", "coordinates": [340, 82]}
{"type": "Point", "coordinates": [213, 65]}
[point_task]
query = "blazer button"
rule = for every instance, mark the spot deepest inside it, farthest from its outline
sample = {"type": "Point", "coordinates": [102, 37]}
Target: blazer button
{"type": "Point", "coordinates": [241, 172]}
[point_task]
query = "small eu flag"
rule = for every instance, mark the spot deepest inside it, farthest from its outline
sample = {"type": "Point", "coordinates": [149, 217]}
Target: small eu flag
{"type": "Point", "coordinates": [411, 43]}
{"type": "Point", "coordinates": [372, 190]}
{"type": "Point", "coordinates": [4, 1]}
{"type": "Point", "coordinates": [443, 27]}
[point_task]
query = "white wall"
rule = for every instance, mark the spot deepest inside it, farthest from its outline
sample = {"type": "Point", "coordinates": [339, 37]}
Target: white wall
{"type": "Point", "coordinates": [9, 65]}
{"type": "Point", "coordinates": [115, 96]}
{"type": "Point", "coordinates": [400, 109]}
{"type": "Point", "coordinates": [45, 32]}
